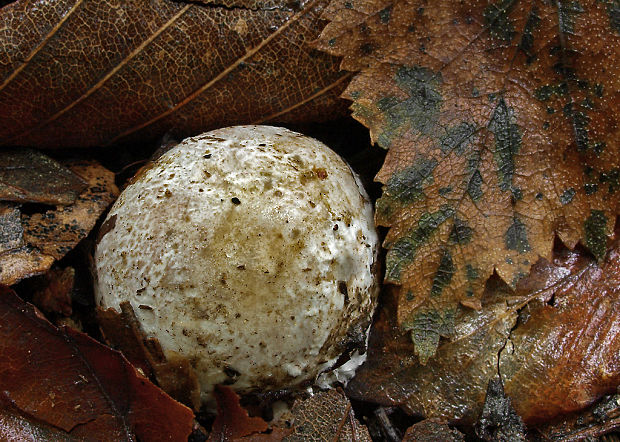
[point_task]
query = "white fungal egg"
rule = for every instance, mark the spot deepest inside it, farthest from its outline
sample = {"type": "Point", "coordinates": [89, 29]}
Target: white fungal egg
{"type": "Point", "coordinates": [249, 250]}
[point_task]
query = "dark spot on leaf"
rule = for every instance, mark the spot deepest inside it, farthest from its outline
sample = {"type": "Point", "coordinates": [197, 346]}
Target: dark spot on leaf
{"type": "Point", "coordinates": [367, 48]}
{"type": "Point", "coordinates": [445, 190]}
{"type": "Point", "coordinates": [546, 92]}
{"type": "Point", "coordinates": [496, 17]}
{"type": "Point", "coordinates": [387, 102]}
{"type": "Point", "coordinates": [527, 38]}
{"type": "Point", "coordinates": [516, 237]}
{"type": "Point", "coordinates": [612, 178]}
{"type": "Point", "coordinates": [474, 187]}
{"type": "Point", "coordinates": [567, 12]}
{"type": "Point", "coordinates": [507, 143]}
{"type": "Point", "coordinates": [590, 188]}
{"type": "Point", "coordinates": [471, 272]}
{"type": "Point", "coordinates": [384, 14]}
{"type": "Point", "coordinates": [407, 185]}
{"type": "Point", "coordinates": [567, 196]}
{"type": "Point", "coordinates": [420, 111]}
{"type": "Point", "coordinates": [595, 228]}
{"type": "Point", "coordinates": [444, 274]}
{"type": "Point", "coordinates": [457, 138]}
{"type": "Point", "coordinates": [403, 251]}
{"type": "Point", "coordinates": [461, 232]}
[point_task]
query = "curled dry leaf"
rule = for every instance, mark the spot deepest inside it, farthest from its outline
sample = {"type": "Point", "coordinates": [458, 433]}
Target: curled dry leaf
{"type": "Point", "coordinates": [553, 358]}
{"type": "Point", "coordinates": [501, 120]}
{"type": "Point", "coordinates": [64, 379]}
{"type": "Point", "coordinates": [95, 73]}
{"type": "Point", "coordinates": [30, 243]}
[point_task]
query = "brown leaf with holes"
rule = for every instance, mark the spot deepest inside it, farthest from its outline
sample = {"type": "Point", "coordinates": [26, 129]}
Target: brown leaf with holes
{"type": "Point", "coordinates": [501, 120]}
{"type": "Point", "coordinates": [67, 381]}
{"type": "Point", "coordinates": [555, 341]}
{"type": "Point", "coordinates": [96, 73]}
{"type": "Point", "coordinates": [30, 243]}
{"type": "Point", "coordinates": [326, 416]}
{"type": "Point", "coordinates": [28, 176]}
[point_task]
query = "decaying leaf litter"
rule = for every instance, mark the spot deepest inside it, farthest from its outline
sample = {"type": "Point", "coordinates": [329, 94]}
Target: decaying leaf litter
{"type": "Point", "coordinates": [494, 166]}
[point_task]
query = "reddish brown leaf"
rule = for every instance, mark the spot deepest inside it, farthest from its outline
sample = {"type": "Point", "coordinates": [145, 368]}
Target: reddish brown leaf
{"type": "Point", "coordinates": [64, 379]}
{"type": "Point", "coordinates": [552, 358]}
{"type": "Point", "coordinates": [232, 421]}
{"type": "Point", "coordinates": [27, 176]}
{"type": "Point", "coordinates": [501, 120]}
{"type": "Point", "coordinates": [94, 73]}
{"type": "Point", "coordinates": [30, 243]}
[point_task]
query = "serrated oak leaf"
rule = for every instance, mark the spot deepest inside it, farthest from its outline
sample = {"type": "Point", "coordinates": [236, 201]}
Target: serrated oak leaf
{"type": "Point", "coordinates": [89, 73]}
{"type": "Point", "coordinates": [500, 117]}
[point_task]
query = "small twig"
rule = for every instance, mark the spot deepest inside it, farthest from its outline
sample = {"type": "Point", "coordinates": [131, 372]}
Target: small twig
{"type": "Point", "coordinates": [386, 425]}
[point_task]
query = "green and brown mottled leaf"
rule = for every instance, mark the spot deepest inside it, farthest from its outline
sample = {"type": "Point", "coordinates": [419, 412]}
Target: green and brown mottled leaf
{"type": "Point", "coordinates": [91, 72]}
{"type": "Point", "coordinates": [500, 117]}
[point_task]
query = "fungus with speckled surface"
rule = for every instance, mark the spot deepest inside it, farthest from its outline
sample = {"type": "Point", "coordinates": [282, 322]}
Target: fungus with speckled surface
{"type": "Point", "coordinates": [249, 250]}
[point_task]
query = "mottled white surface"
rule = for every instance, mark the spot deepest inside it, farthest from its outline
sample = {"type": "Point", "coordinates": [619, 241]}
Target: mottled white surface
{"type": "Point", "coordinates": [250, 250]}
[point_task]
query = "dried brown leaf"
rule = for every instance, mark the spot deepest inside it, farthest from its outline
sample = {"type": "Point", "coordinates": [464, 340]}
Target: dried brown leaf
{"type": "Point", "coordinates": [95, 73]}
{"type": "Point", "coordinates": [30, 243]}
